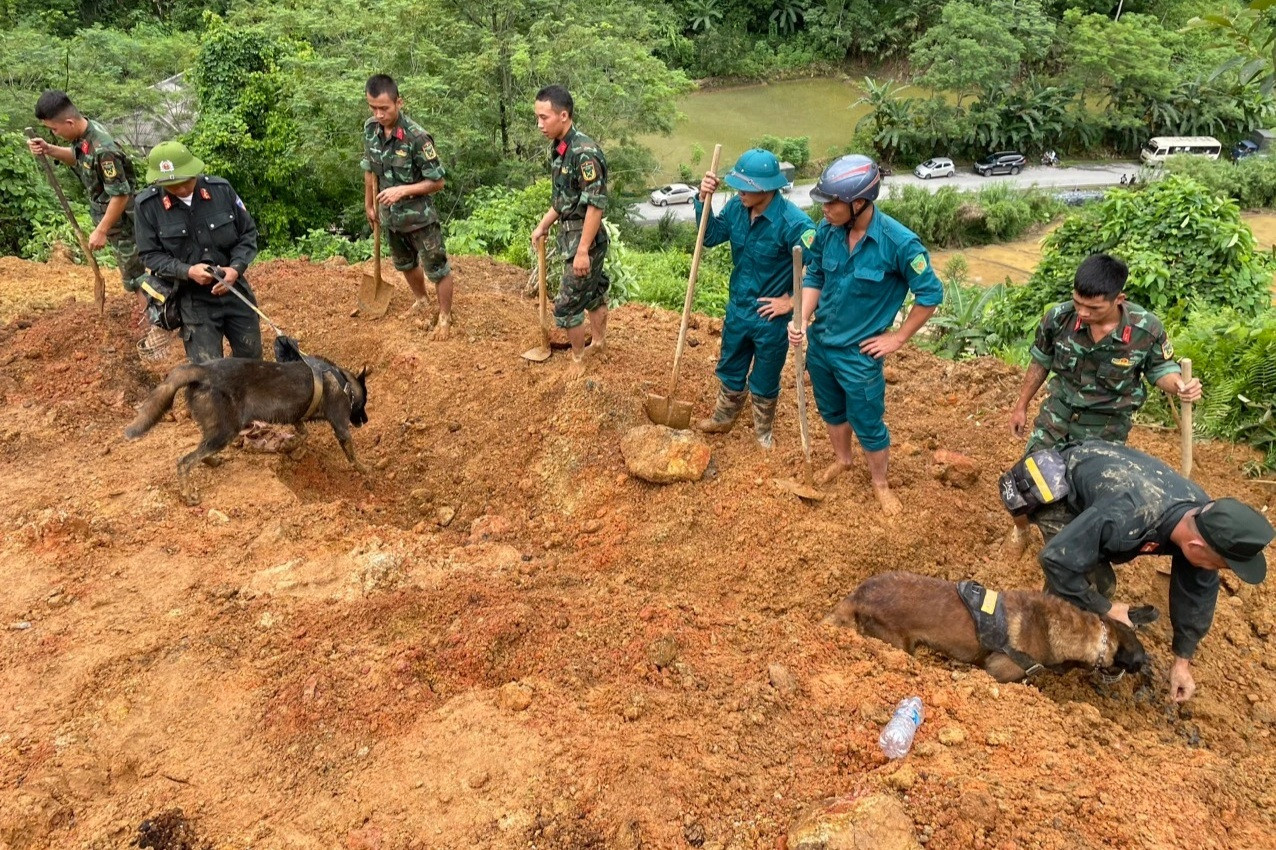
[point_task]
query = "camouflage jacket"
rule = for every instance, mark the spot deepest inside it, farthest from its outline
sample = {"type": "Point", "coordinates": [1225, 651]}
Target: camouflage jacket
{"type": "Point", "coordinates": [1103, 378]}
{"type": "Point", "coordinates": [579, 172]}
{"type": "Point", "coordinates": [102, 166]}
{"type": "Point", "coordinates": [405, 156]}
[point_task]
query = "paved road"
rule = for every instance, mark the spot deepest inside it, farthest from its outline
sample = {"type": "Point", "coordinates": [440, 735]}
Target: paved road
{"type": "Point", "coordinates": [1057, 179]}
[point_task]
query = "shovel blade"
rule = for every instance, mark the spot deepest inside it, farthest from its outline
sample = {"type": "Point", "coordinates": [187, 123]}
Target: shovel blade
{"type": "Point", "coordinates": [802, 491]}
{"type": "Point", "coordinates": [374, 297]}
{"type": "Point", "coordinates": [536, 355]}
{"type": "Point", "coordinates": [673, 413]}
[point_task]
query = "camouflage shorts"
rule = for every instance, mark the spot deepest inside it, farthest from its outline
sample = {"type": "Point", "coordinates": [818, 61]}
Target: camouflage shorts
{"type": "Point", "coordinates": [1056, 426]}
{"type": "Point", "coordinates": [423, 246]}
{"type": "Point", "coordinates": [580, 295]}
{"type": "Point", "coordinates": [120, 238]}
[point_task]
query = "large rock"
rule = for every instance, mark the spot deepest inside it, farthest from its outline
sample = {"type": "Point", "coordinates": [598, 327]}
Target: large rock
{"type": "Point", "coordinates": [955, 469]}
{"type": "Point", "coordinates": [873, 822]}
{"type": "Point", "coordinates": [662, 455]}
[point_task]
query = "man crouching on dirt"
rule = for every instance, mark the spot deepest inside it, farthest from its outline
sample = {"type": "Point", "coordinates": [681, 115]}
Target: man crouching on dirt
{"type": "Point", "coordinates": [578, 170]}
{"type": "Point", "coordinates": [1121, 503]}
{"type": "Point", "coordinates": [195, 235]}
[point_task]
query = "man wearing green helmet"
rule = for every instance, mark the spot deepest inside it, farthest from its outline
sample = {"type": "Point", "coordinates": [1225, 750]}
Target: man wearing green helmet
{"type": "Point", "coordinates": [860, 267]}
{"type": "Point", "coordinates": [195, 235]}
{"type": "Point", "coordinates": [763, 228]}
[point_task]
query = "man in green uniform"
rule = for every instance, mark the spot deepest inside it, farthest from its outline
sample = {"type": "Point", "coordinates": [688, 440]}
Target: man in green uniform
{"type": "Point", "coordinates": [1123, 503]}
{"type": "Point", "coordinates": [401, 171]}
{"type": "Point", "coordinates": [107, 175]}
{"type": "Point", "coordinates": [579, 173]}
{"type": "Point", "coordinates": [1101, 348]}
{"type": "Point", "coordinates": [195, 235]}
{"type": "Point", "coordinates": [763, 228]}
{"type": "Point", "coordinates": [860, 267]}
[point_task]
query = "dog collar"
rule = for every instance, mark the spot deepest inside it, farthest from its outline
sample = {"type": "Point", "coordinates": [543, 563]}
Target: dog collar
{"type": "Point", "coordinates": [1103, 647]}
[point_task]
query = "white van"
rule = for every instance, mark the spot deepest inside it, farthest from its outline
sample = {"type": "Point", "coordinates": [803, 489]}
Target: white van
{"type": "Point", "coordinates": [1159, 147]}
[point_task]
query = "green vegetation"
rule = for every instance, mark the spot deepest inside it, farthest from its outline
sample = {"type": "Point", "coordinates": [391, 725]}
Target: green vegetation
{"type": "Point", "coordinates": [950, 218]}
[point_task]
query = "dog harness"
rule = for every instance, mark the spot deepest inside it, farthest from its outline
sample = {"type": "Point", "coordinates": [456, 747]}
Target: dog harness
{"type": "Point", "coordinates": [988, 610]}
{"type": "Point", "coordinates": [316, 396]}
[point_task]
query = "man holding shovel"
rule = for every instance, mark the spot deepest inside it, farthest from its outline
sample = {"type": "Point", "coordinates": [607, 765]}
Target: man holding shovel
{"type": "Point", "coordinates": [401, 171]}
{"type": "Point", "coordinates": [106, 172]}
{"type": "Point", "coordinates": [763, 228]}
{"type": "Point", "coordinates": [1100, 348]}
{"type": "Point", "coordinates": [860, 267]}
{"type": "Point", "coordinates": [578, 170]}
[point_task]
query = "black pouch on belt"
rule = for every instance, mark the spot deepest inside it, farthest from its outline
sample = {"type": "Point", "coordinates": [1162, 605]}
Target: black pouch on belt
{"type": "Point", "coordinates": [161, 303]}
{"type": "Point", "coordinates": [1037, 480]}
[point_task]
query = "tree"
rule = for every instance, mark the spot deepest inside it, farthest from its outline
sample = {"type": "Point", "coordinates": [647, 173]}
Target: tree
{"type": "Point", "coordinates": [969, 49]}
{"type": "Point", "coordinates": [1126, 62]}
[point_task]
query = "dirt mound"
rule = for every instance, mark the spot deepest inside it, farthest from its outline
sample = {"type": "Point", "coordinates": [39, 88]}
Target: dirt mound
{"type": "Point", "coordinates": [305, 661]}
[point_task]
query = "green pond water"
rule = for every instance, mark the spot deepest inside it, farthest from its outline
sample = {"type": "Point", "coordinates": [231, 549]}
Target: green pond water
{"type": "Point", "coordinates": [819, 108]}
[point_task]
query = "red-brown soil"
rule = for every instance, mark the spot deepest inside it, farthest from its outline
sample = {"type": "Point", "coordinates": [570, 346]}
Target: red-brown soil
{"type": "Point", "coordinates": [306, 662]}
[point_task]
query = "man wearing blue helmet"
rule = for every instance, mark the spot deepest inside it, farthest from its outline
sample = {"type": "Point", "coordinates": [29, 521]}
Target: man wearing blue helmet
{"type": "Point", "coordinates": [763, 228]}
{"type": "Point", "coordinates": [859, 269]}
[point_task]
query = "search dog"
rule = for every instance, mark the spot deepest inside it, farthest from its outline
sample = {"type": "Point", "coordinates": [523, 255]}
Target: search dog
{"type": "Point", "coordinates": [908, 610]}
{"type": "Point", "coordinates": [226, 395]}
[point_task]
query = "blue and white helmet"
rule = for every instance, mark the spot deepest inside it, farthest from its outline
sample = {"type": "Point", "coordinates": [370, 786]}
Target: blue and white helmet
{"type": "Point", "coordinates": [849, 178]}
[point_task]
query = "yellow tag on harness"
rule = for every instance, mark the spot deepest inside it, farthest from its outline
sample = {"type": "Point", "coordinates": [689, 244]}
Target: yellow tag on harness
{"type": "Point", "coordinates": [990, 602]}
{"type": "Point", "coordinates": [1038, 479]}
{"type": "Point", "coordinates": [154, 293]}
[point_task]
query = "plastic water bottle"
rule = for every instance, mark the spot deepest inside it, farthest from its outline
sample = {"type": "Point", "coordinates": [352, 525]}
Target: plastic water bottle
{"type": "Point", "coordinates": [897, 737]}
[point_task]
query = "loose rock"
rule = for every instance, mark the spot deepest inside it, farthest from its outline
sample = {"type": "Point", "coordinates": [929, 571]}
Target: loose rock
{"type": "Point", "coordinates": [662, 455]}
{"type": "Point", "coordinates": [515, 697]}
{"type": "Point", "coordinates": [873, 822]}
{"type": "Point", "coordinates": [955, 469]}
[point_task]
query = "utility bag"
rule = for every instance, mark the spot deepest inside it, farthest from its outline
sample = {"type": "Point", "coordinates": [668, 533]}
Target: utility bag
{"type": "Point", "coordinates": [1037, 480]}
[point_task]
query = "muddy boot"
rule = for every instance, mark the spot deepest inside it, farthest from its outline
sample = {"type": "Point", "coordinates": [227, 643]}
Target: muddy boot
{"type": "Point", "coordinates": [725, 413]}
{"type": "Point", "coordinates": [763, 419]}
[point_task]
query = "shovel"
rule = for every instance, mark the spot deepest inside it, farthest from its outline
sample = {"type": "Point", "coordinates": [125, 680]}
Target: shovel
{"type": "Point", "coordinates": [374, 293]}
{"type": "Point", "coordinates": [99, 285]}
{"type": "Point", "coordinates": [541, 353]}
{"type": "Point", "coordinates": [806, 490]}
{"type": "Point", "coordinates": [666, 409]}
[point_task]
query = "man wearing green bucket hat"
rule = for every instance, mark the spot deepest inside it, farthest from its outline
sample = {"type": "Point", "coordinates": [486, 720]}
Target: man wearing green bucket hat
{"type": "Point", "coordinates": [195, 235]}
{"type": "Point", "coordinates": [763, 228]}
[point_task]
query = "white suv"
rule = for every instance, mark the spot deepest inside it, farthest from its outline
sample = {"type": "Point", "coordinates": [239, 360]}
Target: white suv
{"type": "Point", "coordinates": [940, 166]}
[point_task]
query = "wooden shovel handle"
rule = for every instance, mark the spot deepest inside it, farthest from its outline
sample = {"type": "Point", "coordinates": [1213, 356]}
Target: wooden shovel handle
{"type": "Point", "coordinates": [541, 282]}
{"type": "Point", "coordinates": [376, 251]}
{"type": "Point", "coordinates": [799, 365]}
{"type": "Point", "coordinates": [691, 279]}
{"type": "Point", "coordinates": [99, 285]}
{"type": "Point", "coordinates": [1185, 423]}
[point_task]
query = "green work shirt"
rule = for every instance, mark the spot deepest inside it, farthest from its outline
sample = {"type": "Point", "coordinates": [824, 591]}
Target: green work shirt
{"type": "Point", "coordinates": [579, 173]}
{"type": "Point", "coordinates": [1103, 378]}
{"type": "Point", "coordinates": [102, 166]}
{"type": "Point", "coordinates": [761, 248]}
{"type": "Point", "coordinates": [404, 156]}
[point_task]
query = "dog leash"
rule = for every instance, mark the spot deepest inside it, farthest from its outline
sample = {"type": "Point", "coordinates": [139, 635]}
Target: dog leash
{"type": "Point", "coordinates": [221, 277]}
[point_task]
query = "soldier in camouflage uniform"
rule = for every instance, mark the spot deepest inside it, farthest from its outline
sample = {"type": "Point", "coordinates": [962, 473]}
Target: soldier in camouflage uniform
{"type": "Point", "coordinates": [1101, 348]}
{"type": "Point", "coordinates": [579, 173]}
{"type": "Point", "coordinates": [401, 172]}
{"type": "Point", "coordinates": [107, 175]}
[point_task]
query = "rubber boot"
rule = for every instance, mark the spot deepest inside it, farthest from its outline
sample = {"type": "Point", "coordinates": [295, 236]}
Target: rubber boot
{"type": "Point", "coordinates": [763, 419]}
{"type": "Point", "coordinates": [725, 412]}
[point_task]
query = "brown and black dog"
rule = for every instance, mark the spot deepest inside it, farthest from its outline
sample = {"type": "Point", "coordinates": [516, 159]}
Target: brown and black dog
{"type": "Point", "coordinates": [908, 610]}
{"type": "Point", "coordinates": [226, 395]}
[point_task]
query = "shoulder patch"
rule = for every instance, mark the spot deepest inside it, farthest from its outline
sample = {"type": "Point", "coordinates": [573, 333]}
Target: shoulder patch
{"type": "Point", "coordinates": [808, 237]}
{"type": "Point", "coordinates": [108, 169]}
{"type": "Point", "coordinates": [427, 148]}
{"type": "Point", "coordinates": [588, 171]}
{"type": "Point", "coordinates": [1167, 350]}
{"type": "Point", "coordinates": [918, 265]}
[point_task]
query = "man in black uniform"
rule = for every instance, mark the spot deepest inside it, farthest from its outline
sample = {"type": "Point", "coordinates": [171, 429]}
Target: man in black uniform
{"type": "Point", "coordinates": [193, 232]}
{"type": "Point", "coordinates": [1123, 503]}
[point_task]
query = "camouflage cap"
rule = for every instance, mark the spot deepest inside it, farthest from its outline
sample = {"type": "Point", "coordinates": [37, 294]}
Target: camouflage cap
{"type": "Point", "coordinates": [172, 162]}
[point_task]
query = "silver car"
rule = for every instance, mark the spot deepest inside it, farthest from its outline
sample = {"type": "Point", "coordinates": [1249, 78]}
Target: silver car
{"type": "Point", "coordinates": [939, 166]}
{"type": "Point", "coordinates": [674, 193]}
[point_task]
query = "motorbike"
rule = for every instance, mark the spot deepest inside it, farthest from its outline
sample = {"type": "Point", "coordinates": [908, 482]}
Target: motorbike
{"type": "Point", "coordinates": [1050, 159]}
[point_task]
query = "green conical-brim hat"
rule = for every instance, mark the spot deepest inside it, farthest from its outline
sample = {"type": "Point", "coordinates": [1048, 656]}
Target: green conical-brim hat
{"type": "Point", "coordinates": [756, 171]}
{"type": "Point", "coordinates": [172, 162]}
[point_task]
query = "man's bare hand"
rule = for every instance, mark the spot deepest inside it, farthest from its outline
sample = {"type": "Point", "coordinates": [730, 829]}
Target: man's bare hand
{"type": "Point", "coordinates": [393, 195]}
{"type": "Point", "coordinates": [371, 213]}
{"type": "Point", "coordinates": [796, 337]}
{"type": "Point", "coordinates": [1191, 391]}
{"type": "Point", "coordinates": [1182, 685]}
{"type": "Point", "coordinates": [773, 308]}
{"type": "Point", "coordinates": [580, 265]}
{"type": "Point", "coordinates": [882, 345]}
{"type": "Point", "coordinates": [1018, 421]}
{"type": "Point", "coordinates": [228, 278]}
{"type": "Point", "coordinates": [708, 185]}
{"type": "Point", "coordinates": [1120, 612]}
{"type": "Point", "coordinates": [38, 147]}
{"type": "Point", "coordinates": [202, 274]}
{"type": "Point", "coordinates": [97, 239]}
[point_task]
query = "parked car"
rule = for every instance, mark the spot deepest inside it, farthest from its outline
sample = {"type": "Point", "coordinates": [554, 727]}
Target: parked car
{"type": "Point", "coordinates": [674, 193]}
{"type": "Point", "coordinates": [1244, 148]}
{"type": "Point", "coordinates": [938, 166]}
{"type": "Point", "coordinates": [1002, 162]}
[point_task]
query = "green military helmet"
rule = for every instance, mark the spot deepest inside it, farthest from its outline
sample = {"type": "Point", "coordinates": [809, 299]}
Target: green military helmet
{"type": "Point", "coordinates": [172, 162]}
{"type": "Point", "coordinates": [756, 171]}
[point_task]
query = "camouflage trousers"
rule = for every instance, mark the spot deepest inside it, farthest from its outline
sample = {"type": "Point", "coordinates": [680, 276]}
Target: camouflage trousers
{"type": "Point", "coordinates": [580, 295]}
{"type": "Point", "coordinates": [120, 238]}
{"type": "Point", "coordinates": [1057, 425]}
{"type": "Point", "coordinates": [423, 246]}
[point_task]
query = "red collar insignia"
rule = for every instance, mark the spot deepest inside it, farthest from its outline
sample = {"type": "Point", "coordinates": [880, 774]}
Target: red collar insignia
{"type": "Point", "coordinates": [562, 147]}
{"type": "Point", "coordinates": [398, 134]}
{"type": "Point", "coordinates": [84, 146]}
{"type": "Point", "coordinates": [1150, 548]}
{"type": "Point", "coordinates": [1077, 326]}
{"type": "Point", "coordinates": [1125, 334]}
{"type": "Point", "coordinates": [168, 201]}
{"type": "Point", "coordinates": [203, 193]}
